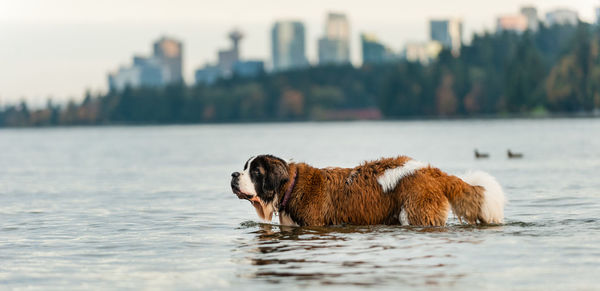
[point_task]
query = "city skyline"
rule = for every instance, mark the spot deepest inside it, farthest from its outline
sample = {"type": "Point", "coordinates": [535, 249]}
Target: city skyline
{"type": "Point", "coordinates": [36, 66]}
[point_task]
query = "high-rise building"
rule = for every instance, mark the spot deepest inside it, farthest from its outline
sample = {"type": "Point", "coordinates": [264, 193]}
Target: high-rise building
{"type": "Point", "coordinates": [531, 15]}
{"type": "Point", "coordinates": [337, 26]}
{"type": "Point", "coordinates": [334, 46]}
{"type": "Point", "coordinates": [374, 52]}
{"type": "Point", "coordinates": [448, 32]}
{"type": "Point", "coordinates": [333, 51]}
{"type": "Point", "coordinates": [145, 72]}
{"type": "Point", "coordinates": [598, 15]}
{"type": "Point", "coordinates": [514, 23]}
{"type": "Point", "coordinates": [123, 78]}
{"type": "Point", "coordinates": [170, 52]}
{"type": "Point", "coordinates": [162, 68]}
{"type": "Point", "coordinates": [152, 71]}
{"type": "Point", "coordinates": [288, 45]}
{"type": "Point", "coordinates": [562, 17]}
{"type": "Point", "coordinates": [228, 57]}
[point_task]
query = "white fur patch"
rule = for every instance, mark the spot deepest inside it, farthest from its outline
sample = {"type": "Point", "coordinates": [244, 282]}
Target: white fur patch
{"type": "Point", "coordinates": [492, 209]}
{"type": "Point", "coordinates": [391, 177]}
{"type": "Point", "coordinates": [403, 217]}
{"type": "Point", "coordinates": [286, 220]}
{"type": "Point", "coordinates": [246, 185]}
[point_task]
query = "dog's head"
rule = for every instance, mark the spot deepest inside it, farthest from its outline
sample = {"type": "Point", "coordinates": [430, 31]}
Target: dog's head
{"type": "Point", "coordinates": [260, 182]}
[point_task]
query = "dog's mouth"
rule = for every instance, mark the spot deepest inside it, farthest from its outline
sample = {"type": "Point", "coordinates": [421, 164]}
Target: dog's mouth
{"type": "Point", "coordinates": [240, 194]}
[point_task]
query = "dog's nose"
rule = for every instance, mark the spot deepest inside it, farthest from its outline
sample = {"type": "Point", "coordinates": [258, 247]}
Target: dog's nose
{"type": "Point", "coordinates": [235, 174]}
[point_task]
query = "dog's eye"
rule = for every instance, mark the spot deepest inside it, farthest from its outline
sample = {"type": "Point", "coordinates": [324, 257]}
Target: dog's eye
{"type": "Point", "coordinates": [256, 172]}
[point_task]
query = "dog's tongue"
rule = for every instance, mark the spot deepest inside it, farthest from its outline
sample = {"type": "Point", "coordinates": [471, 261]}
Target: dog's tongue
{"type": "Point", "coordinates": [264, 211]}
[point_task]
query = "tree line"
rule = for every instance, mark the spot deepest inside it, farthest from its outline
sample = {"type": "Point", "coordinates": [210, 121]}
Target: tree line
{"type": "Point", "coordinates": [555, 70]}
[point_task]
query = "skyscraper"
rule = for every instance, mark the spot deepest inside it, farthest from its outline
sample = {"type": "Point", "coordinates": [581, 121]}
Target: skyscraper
{"type": "Point", "coordinates": [288, 45]}
{"type": "Point", "coordinates": [374, 52]}
{"type": "Point", "coordinates": [152, 71]}
{"type": "Point", "coordinates": [162, 68]}
{"type": "Point", "coordinates": [334, 46]}
{"type": "Point", "coordinates": [169, 51]}
{"type": "Point", "coordinates": [530, 13]}
{"type": "Point", "coordinates": [598, 15]}
{"type": "Point", "coordinates": [448, 32]}
{"type": "Point", "coordinates": [562, 17]}
{"type": "Point", "coordinates": [124, 77]}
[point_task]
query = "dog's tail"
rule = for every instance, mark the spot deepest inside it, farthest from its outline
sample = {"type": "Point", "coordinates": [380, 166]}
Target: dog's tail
{"type": "Point", "coordinates": [477, 197]}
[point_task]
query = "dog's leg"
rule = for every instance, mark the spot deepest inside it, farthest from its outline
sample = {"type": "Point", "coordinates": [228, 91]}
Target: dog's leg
{"type": "Point", "coordinates": [427, 209]}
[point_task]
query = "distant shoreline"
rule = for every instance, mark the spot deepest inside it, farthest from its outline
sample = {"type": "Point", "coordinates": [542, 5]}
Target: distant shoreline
{"type": "Point", "coordinates": [507, 117]}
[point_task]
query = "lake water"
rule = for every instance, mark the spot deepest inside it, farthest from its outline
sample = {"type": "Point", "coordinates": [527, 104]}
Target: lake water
{"type": "Point", "coordinates": [151, 208]}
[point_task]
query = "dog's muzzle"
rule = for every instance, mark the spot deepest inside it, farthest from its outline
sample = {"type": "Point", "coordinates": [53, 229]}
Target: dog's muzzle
{"type": "Point", "coordinates": [235, 186]}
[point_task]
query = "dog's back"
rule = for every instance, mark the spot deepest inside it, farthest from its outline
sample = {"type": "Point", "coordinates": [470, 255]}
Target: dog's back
{"type": "Point", "coordinates": [392, 191]}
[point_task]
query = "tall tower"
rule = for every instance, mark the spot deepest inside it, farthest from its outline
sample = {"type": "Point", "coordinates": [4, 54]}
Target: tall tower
{"type": "Point", "coordinates": [169, 51]}
{"type": "Point", "coordinates": [337, 26]}
{"type": "Point", "coordinates": [288, 45]}
{"type": "Point", "coordinates": [531, 14]}
{"type": "Point", "coordinates": [334, 46]}
{"type": "Point", "coordinates": [448, 32]}
{"type": "Point", "coordinates": [373, 52]}
{"type": "Point", "coordinates": [228, 57]}
{"type": "Point", "coordinates": [562, 17]}
{"type": "Point", "coordinates": [235, 37]}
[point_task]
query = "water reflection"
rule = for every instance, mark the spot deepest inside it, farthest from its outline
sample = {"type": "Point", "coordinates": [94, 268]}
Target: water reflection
{"type": "Point", "coordinates": [353, 255]}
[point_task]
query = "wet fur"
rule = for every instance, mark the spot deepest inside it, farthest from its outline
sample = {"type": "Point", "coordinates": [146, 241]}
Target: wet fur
{"type": "Point", "coordinates": [333, 196]}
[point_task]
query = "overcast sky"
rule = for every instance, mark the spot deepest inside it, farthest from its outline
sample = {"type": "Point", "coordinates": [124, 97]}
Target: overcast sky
{"type": "Point", "coordinates": [58, 48]}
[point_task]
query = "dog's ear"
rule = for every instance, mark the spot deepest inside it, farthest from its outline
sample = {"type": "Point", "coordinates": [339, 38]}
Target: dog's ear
{"type": "Point", "coordinates": [276, 175]}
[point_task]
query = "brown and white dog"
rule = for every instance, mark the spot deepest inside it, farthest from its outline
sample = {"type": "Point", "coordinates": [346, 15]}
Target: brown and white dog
{"type": "Point", "coordinates": [387, 191]}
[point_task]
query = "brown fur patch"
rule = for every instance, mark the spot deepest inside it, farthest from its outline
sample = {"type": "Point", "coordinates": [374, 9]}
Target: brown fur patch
{"type": "Point", "coordinates": [334, 196]}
